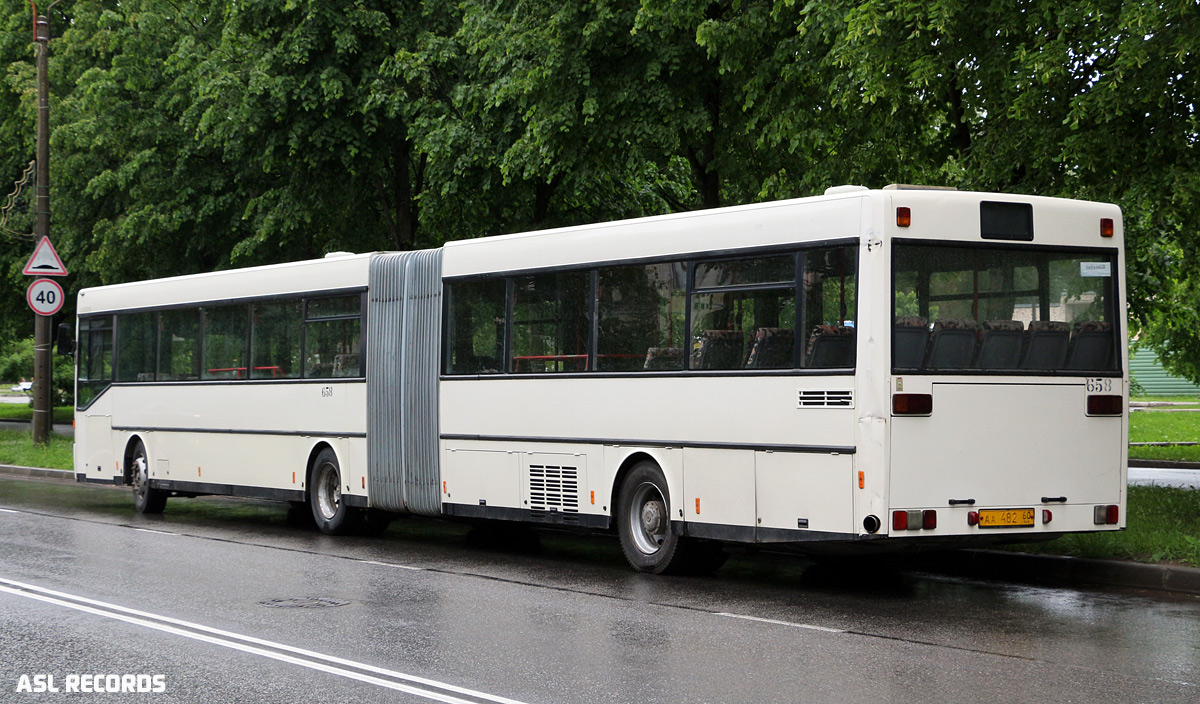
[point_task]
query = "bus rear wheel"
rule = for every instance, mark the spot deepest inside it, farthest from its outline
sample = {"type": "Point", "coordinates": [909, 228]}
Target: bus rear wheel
{"type": "Point", "coordinates": [644, 521]}
{"type": "Point", "coordinates": [329, 509]}
{"type": "Point", "coordinates": [146, 499]}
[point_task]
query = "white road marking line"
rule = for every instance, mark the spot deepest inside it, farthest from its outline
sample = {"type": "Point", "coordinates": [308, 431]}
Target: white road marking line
{"type": "Point", "coordinates": [228, 639]}
{"type": "Point", "coordinates": [390, 564]}
{"type": "Point", "coordinates": [157, 532]}
{"type": "Point", "coordinates": [790, 624]}
{"type": "Point", "coordinates": [8, 510]}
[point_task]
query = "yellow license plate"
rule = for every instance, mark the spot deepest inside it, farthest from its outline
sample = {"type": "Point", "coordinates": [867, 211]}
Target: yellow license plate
{"type": "Point", "coordinates": [1006, 518]}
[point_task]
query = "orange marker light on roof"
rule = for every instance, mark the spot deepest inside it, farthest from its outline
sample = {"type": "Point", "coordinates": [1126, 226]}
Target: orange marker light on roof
{"type": "Point", "coordinates": [1106, 227]}
{"type": "Point", "coordinates": [903, 216]}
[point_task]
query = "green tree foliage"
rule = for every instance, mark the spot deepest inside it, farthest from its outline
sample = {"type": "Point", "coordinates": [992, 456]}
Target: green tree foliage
{"type": "Point", "coordinates": [191, 135]}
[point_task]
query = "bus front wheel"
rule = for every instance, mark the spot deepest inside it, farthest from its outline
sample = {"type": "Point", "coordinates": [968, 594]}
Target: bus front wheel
{"type": "Point", "coordinates": [329, 509]}
{"type": "Point", "coordinates": [146, 499]}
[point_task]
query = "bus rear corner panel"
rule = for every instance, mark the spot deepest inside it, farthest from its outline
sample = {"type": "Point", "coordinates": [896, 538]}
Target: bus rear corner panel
{"type": "Point", "coordinates": [404, 317]}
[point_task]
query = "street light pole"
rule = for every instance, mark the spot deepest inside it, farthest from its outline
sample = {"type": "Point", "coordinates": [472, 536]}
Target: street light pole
{"type": "Point", "coordinates": [42, 360]}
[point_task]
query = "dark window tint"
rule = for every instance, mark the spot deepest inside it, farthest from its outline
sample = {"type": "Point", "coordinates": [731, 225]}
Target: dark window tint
{"type": "Point", "coordinates": [551, 329]}
{"type": "Point", "coordinates": [476, 327]}
{"type": "Point", "coordinates": [226, 342]}
{"type": "Point", "coordinates": [136, 335]}
{"type": "Point", "coordinates": [742, 272]}
{"type": "Point", "coordinates": [95, 371]}
{"type": "Point", "coordinates": [961, 309]}
{"type": "Point", "coordinates": [276, 340]}
{"type": "Point", "coordinates": [333, 337]}
{"type": "Point", "coordinates": [640, 313]}
{"type": "Point", "coordinates": [337, 307]}
{"type": "Point", "coordinates": [829, 294]}
{"type": "Point", "coordinates": [179, 345]}
{"type": "Point", "coordinates": [744, 329]}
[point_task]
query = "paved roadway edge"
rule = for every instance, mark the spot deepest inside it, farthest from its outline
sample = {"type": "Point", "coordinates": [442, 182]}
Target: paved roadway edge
{"type": "Point", "coordinates": [991, 564]}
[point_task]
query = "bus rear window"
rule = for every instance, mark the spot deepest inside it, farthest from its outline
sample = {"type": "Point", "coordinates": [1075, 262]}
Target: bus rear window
{"type": "Point", "coordinates": [972, 310]}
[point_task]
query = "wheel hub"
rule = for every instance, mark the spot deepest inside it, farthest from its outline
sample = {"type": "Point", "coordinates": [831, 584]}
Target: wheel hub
{"type": "Point", "coordinates": [652, 517]}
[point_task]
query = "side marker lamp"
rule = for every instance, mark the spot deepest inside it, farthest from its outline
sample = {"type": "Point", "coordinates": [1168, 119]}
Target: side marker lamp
{"type": "Point", "coordinates": [903, 216]}
{"type": "Point", "coordinates": [1106, 227]}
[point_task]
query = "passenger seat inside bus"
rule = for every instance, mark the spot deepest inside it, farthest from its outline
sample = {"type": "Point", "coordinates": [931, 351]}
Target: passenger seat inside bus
{"type": "Point", "coordinates": [719, 349]}
{"type": "Point", "coordinates": [663, 358]}
{"type": "Point", "coordinates": [830, 347]}
{"type": "Point", "coordinates": [910, 336]}
{"type": "Point", "coordinates": [772, 349]}
{"type": "Point", "coordinates": [1000, 345]}
{"type": "Point", "coordinates": [952, 344]}
{"type": "Point", "coordinates": [1045, 345]}
{"type": "Point", "coordinates": [1091, 345]}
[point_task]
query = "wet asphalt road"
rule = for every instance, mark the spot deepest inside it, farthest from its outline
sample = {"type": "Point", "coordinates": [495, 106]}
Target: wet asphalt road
{"type": "Point", "coordinates": [435, 612]}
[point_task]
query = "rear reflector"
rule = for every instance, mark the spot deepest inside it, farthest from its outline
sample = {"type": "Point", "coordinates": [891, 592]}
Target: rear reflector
{"type": "Point", "coordinates": [913, 404]}
{"type": "Point", "coordinates": [1107, 405]}
{"type": "Point", "coordinates": [914, 520]}
{"type": "Point", "coordinates": [929, 519]}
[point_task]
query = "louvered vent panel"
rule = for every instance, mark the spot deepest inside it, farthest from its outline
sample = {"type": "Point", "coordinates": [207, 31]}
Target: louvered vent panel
{"type": "Point", "coordinates": [825, 398]}
{"type": "Point", "coordinates": [553, 488]}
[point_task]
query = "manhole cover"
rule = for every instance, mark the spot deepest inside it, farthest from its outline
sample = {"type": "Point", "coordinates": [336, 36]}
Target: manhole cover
{"type": "Point", "coordinates": [312, 602]}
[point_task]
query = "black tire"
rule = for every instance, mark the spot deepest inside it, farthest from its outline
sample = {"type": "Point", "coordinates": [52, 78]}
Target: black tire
{"type": "Point", "coordinates": [644, 522]}
{"type": "Point", "coordinates": [329, 511]}
{"type": "Point", "coordinates": [146, 499]}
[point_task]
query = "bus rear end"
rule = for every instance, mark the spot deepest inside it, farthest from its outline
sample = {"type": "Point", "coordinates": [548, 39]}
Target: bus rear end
{"type": "Point", "coordinates": [1008, 390]}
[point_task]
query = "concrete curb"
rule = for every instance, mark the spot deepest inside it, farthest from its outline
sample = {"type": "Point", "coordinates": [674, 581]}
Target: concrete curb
{"type": "Point", "coordinates": [1164, 464]}
{"type": "Point", "coordinates": [1058, 569]}
{"type": "Point", "coordinates": [37, 472]}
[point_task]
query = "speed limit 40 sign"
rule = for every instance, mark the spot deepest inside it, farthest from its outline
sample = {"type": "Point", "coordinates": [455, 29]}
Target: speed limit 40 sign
{"type": "Point", "coordinates": [45, 297]}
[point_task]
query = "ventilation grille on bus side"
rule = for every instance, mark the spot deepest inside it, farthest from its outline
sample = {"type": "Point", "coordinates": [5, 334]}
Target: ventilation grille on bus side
{"type": "Point", "coordinates": [825, 398]}
{"type": "Point", "coordinates": [553, 488]}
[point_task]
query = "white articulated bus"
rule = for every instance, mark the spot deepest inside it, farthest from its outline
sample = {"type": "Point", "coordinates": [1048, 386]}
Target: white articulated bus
{"type": "Point", "coordinates": [864, 369]}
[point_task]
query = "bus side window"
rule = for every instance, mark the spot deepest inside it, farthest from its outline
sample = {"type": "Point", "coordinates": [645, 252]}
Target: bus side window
{"type": "Point", "coordinates": [475, 329]}
{"type": "Point", "coordinates": [179, 345]}
{"type": "Point", "coordinates": [640, 317]}
{"type": "Point", "coordinates": [333, 336]}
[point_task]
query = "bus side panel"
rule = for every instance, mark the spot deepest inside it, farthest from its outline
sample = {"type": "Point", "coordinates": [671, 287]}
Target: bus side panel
{"type": "Point", "coordinates": [94, 456]}
{"type": "Point", "coordinates": [718, 486]}
{"type": "Point", "coordinates": [804, 491]}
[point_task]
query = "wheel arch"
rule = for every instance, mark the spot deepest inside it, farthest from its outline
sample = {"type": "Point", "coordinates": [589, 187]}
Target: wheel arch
{"type": "Point", "coordinates": [127, 456]}
{"type": "Point", "coordinates": [627, 465]}
{"type": "Point", "coordinates": [311, 465]}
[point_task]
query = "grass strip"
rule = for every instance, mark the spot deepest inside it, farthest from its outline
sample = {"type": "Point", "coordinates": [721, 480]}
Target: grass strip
{"type": "Point", "coordinates": [23, 411]}
{"type": "Point", "coordinates": [17, 448]}
{"type": "Point", "coordinates": [1164, 526]}
{"type": "Point", "coordinates": [1164, 426]}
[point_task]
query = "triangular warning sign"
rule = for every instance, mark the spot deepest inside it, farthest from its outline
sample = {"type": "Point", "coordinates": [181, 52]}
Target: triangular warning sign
{"type": "Point", "coordinates": [45, 261]}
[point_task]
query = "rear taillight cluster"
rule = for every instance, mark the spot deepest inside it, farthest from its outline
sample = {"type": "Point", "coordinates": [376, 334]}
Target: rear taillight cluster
{"type": "Point", "coordinates": [1105, 405]}
{"type": "Point", "coordinates": [1106, 515]}
{"type": "Point", "coordinates": [914, 520]}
